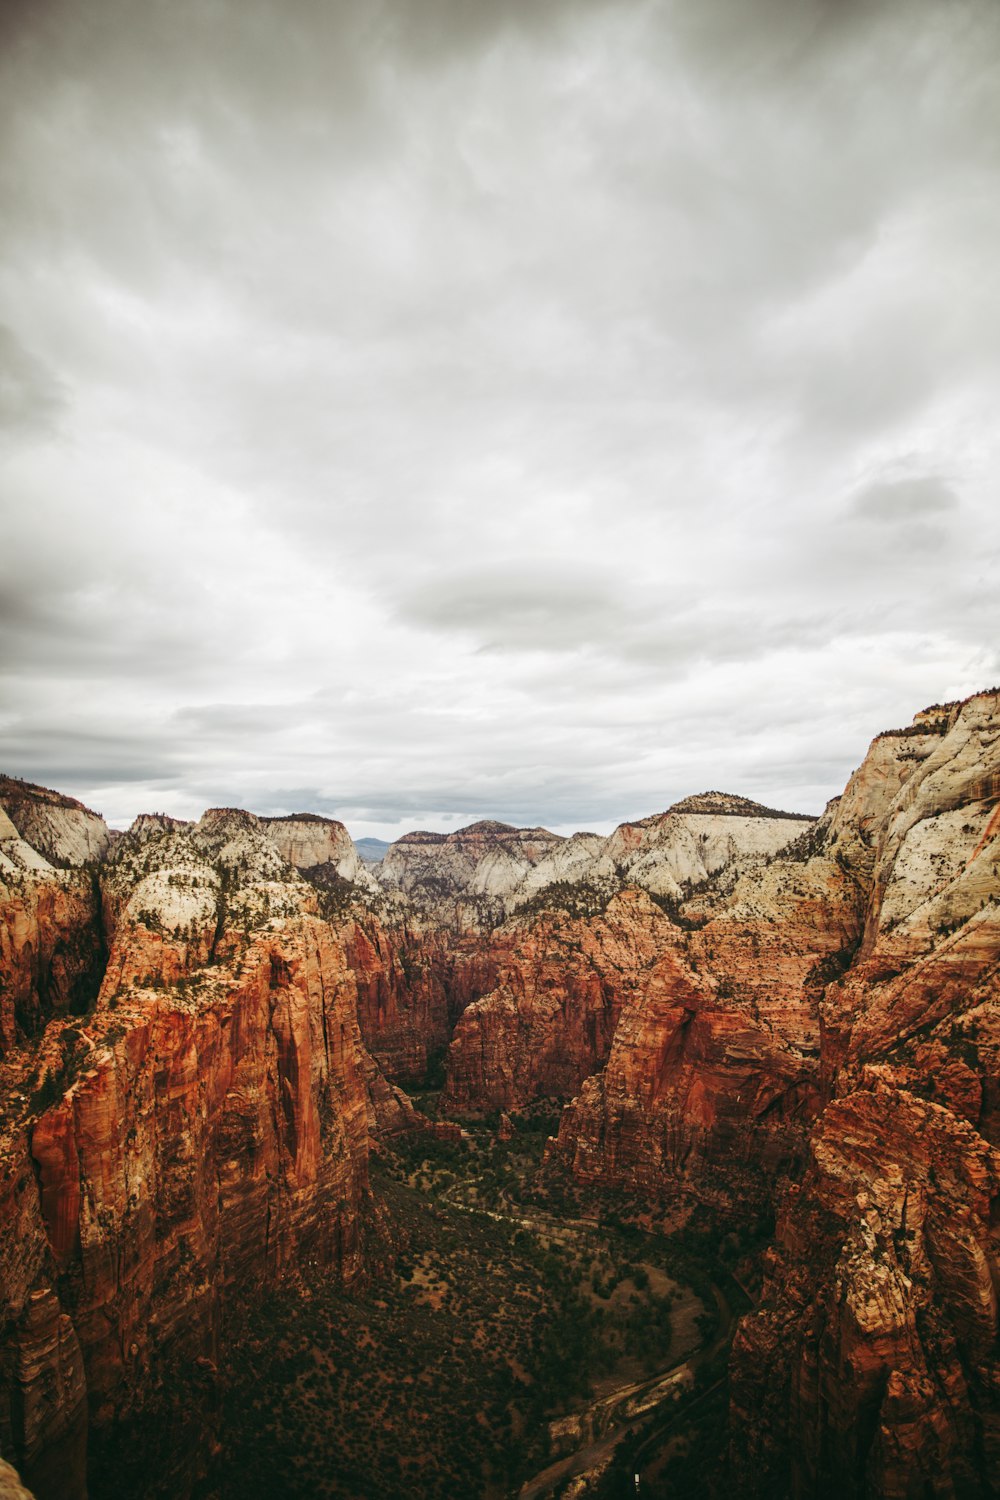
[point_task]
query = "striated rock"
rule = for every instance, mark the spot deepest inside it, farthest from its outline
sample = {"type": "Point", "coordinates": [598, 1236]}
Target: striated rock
{"type": "Point", "coordinates": [210, 1128]}
{"type": "Point", "coordinates": [871, 1366]}
{"type": "Point", "coordinates": [560, 983]}
{"type": "Point", "coordinates": [51, 953]}
{"type": "Point", "coordinates": [696, 1095]}
{"type": "Point", "coordinates": [59, 827]}
{"type": "Point", "coordinates": [412, 984]}
{"type": "Point", "coordinates": [877, 1328]}
{"type": "Point", "coordinates": [712, 1078]}
{"type": "Point", "coordinates": [309, 842]}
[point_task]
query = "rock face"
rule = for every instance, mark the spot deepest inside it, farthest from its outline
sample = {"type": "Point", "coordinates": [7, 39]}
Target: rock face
{"type": "Point", "coordinates": [463, 877]}
{"type": "Point", "coordinates": [413, 982]}
{"type": "Point", "coordinates": [479, 875]}
{"type": "Point", "coordinates": [870, 1367]}
{"type": "Point", "coordinates": [205, 1127]}
{"type": "Point", "coordinates": [309, 842]}
{"type": "Point", "coordinates": [559, 985]}
{"type": "Point", "coordinates": [712, 1078]}
{"type": "Point", "coordinates": [51, 953]}
{"type": "Point", "coordinates": [64, 831]}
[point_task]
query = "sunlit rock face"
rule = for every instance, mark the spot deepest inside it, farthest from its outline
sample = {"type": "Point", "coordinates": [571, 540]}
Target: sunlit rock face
{"type": "Point", "coordinates": [871, 1365]}
{"type": "Point", "coordinates": [312, 843]}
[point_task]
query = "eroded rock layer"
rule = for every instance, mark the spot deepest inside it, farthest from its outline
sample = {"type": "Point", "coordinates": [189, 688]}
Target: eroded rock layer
{"type": "Point", "coordinates": [559, 984]}
{"type": "Point", "coordinates": [203, 1128]}
{"type": "Point", "coordinates": [739, 1005]}
{"type": "Point", "coordinates": [870, 1367]}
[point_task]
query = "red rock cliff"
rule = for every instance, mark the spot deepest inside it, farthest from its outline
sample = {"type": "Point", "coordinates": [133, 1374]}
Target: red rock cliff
{"type": "Point", "coordinates": [209, 1128]}
{"type": "Point", "coordinates": [871, 1365]}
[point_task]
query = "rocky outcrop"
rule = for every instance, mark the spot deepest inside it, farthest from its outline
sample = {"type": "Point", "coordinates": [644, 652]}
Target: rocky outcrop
{"type": "Point", "coordinates": [62, 830]}
{"type": "Point", "coordinates": [309, 842]}
{"type": "Point", "coordinates": [208, 1127]}
{"type": "Point", "coordinates": [51, 950]}
{"type": "Point", "coordinates": [871, 1366]}
{"type": "Point", "coordinates": [559, 985]}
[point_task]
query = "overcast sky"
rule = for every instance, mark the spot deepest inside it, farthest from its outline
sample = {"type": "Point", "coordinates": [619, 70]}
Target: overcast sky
{"type": "Point", "coordinates": [427, 411]}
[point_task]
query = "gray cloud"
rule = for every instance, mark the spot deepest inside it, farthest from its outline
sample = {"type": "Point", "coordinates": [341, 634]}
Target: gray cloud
{"type": "Point", "coordinates": [30, 398]}
{"type": "Point", "coordinates": [542, 411]}
{"type": "Point", "coordinates": [905, 500]}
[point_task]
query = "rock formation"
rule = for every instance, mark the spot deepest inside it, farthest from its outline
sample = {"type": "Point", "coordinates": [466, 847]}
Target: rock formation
{"type": "Point", "coordinates": [202, 1024]}
{"type": "Point", "coordinates": [51, 953]}
{"type": "Point", "coordinates": [480, 874]}
{"type": "Point", "coordinates": [203, 1128]}
{"type": "Point", "coordinates": [560, 982]}
{"type": "Point", "coordinates": [61, 829]}
{"type": "Point", "coordinates": [870, 1367]}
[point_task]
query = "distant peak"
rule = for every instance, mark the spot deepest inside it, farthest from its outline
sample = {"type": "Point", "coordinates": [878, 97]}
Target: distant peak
{"type": "Point", "coordinates": [13, 789]}
{"type": "Point", "coordinates": [730, 805]}
{"type": "Point", "coordinates": [505, 833]}
{"type": "Point", "coordinates": [304, 817]}
{"type": "Point", "coordinates": [484, 826]}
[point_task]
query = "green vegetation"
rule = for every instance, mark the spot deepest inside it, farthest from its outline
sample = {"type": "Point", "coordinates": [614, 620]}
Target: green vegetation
{"type": "Point", "coordinates": [578, 898]}
{"type": "Point", "coordinates": [441, 1378]}
{"type": "Point", "coordinates": [58, 1079]}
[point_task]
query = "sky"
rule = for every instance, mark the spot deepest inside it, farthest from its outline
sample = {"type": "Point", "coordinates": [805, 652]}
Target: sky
{"type": "Point", "coordinates": [425, 410]}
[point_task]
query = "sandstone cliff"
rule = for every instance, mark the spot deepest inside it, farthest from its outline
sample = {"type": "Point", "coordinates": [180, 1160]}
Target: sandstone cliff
{"type": "Point", "coordinates": [203, 1128]}
{"type": "Point", "coordinates": [871, 1365]}
{"type": "Point", "coordinates": [559, 985]}
{"type": "Point", "coordinates": [480, 874]}
{"type": "Point", "coordinates": [712, 1078]}
{"type": "Point", "coordinates": [51, 953]}
{"type": "Point", "coordinates": [64, 831]}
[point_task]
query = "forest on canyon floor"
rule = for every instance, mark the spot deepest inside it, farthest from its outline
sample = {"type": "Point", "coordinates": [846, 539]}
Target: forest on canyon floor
{"type": "Point", "coordinates": [511, 1314]}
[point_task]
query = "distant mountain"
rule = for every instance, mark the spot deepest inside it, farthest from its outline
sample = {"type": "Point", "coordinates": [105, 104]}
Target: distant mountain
{"type": "Point", "coordinates": [371, 850]}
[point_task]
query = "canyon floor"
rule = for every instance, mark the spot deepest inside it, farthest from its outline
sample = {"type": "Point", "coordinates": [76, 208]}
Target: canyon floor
{"type": "Point", "coordinates": [512, 1315]}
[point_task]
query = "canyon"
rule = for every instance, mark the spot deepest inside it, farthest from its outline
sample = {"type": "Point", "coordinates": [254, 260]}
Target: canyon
{"type": "Point", "coordinates": [211, 1033]}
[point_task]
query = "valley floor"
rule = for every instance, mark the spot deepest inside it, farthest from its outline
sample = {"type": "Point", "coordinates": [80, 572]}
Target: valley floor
{"type": "Point", "coordinates": [505, 1332]}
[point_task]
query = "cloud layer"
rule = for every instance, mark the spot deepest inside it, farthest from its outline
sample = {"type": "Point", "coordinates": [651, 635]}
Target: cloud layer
{"type": "Point", "coordinates": [488, 409]}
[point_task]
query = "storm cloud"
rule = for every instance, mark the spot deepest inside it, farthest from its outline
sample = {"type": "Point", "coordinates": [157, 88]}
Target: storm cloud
{"type": "Point", "coordinates": [426, 412]}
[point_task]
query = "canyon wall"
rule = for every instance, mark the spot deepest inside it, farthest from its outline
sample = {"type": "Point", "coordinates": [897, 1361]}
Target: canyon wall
{"type": "Point", "coordinates": [201, 1026]}
{"type": "Point", "coordinates": [560, 981]}
{"type": "Point", "coordinates": [870, 1366]}
{"type": "Point", "coordinates": [202, 1129]}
